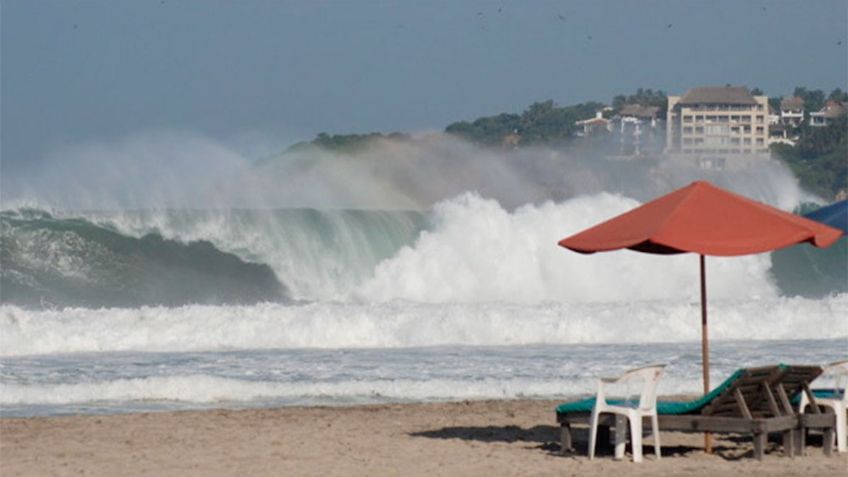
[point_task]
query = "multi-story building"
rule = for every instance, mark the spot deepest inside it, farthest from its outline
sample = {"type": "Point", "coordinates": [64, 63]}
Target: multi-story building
{"type": "Point", "coordinates": [715, 125]}
{"type": "Point", "coordinates": [792, 111]}
{"type": "Point", "coordinates": [638, 129]}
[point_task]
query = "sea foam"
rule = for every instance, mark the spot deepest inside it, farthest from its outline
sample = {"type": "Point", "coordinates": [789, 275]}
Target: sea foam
{"type": "Point", "coordinates": [399, 324]}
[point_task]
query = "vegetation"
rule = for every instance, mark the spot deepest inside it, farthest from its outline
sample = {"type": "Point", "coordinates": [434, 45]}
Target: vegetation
{"type": "Point", "coordinates": [820, 158]}
{"type": "Point", "coordinates": [345, 142]}
{"type": "Point", "coordinates": [645, 97]}
{"type": "Point", "coordinates": [814, 100]}
{"type": "Point", "coordinates": [541, 123]}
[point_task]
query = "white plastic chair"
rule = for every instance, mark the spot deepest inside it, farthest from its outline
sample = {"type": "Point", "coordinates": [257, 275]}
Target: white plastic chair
{"type": "Point", "coordinates": [839, 372]}
{"type": "Point", "coordinates": [634, 412]}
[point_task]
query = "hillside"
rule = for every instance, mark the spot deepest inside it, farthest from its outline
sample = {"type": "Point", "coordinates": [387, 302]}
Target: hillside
{"type": "Point", "coordinates": [819, 158]}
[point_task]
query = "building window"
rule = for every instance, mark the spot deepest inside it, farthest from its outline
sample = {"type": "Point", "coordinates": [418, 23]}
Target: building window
{"type": "Point", "coordinates": [759, 141]}
{"type": "Point", "coordinates": [687, 119]}
{"type": "Point", "coordinates": [747, 141]}
{"type": "Point", "coordinates": [746, 119]}
{"type": "Point", "coordinates": [699, 129]}
{"type": "Point", "coordinates": [717, 129]}
{"type": "Point", "coordinates": [760, 130]}
{"type": "Point", "coordinates": [687, 130]}
{"type": "Point", "coordinates": [760, 119]}
{"type": "Point", "coordinates": [699, 117]}
{"type": "Point", "coordinates": [687, 140]}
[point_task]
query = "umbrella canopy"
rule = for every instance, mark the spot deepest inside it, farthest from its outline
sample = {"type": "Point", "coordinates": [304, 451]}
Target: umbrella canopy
{"type": "Point", "coordinates": [835, 215]}
{"type": "Point", "coordinates": [703, 219]}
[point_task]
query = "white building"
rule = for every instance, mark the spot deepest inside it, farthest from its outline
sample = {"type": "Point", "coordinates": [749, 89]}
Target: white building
{"type": "Point", "coordinates": [792, 111]}
{"type": "Point", "coordinates": [636, 126]}
{"type": "Point", "coordinates": [593, 125]}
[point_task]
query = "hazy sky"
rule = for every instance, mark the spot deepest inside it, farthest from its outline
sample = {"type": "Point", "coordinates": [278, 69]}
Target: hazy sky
{"type": "Point", "coordinates": [267, 73]}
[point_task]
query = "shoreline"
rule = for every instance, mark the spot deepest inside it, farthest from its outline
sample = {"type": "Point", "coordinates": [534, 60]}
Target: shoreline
{"type": "Point", "coordinates": [494, 437]}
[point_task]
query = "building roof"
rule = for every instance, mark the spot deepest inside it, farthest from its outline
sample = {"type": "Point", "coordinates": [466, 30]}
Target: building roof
{"type": "Point", "coordinates": [791, 103]}
{"type": "Point", "coordinates": [639, 111]}
{"type": "Point", "coordinates": [592, 121]}
{"type": "Point", "coordinates": [717, 95]}
{"type": "Point", "coordinates": [834, 109]}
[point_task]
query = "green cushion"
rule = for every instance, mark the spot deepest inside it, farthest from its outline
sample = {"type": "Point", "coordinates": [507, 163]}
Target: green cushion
{"type": "Point", "coordinates": [691, 407]}
{"type": "Point", "coordinates": [829, 393]}
{"type": "Point", "coordinates": [586, 405]}
{"type": "Point", "coordinates": [663, 407]}
{"type": "Point", "coordinates": [821, 394]}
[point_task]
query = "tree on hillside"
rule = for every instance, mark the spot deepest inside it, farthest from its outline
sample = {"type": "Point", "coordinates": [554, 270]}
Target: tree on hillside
{"type": "Point", "coordinates": [542, 122]}
{"type": "Point", "coordinates": [838, 95]}
{"type": "Point", "coordinates": [345, 142]}
{"type": "Point", "coordinates": [813, 100]}
{"type": "Point", "coordinates": [486, 130]}
{"type": "Point", "coordinates": [644, 97]}
{"type": "Point", "coordinates": [820, 159]}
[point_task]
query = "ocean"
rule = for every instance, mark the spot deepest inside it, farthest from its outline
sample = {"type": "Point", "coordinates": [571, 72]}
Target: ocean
{"type": "Point", "coordinates": [163, 309]}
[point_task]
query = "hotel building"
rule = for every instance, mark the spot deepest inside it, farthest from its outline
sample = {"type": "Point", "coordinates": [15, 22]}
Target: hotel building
{"type": "Point", "coordinates": [717, 125]}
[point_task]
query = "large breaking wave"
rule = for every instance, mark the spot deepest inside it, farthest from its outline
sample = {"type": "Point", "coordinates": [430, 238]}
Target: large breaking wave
{"type": "Point", "coordinates": [465, 250]}
{"type": "Point", "coordinates": [55, 262]}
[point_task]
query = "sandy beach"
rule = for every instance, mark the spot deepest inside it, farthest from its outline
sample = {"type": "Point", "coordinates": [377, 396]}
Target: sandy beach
{"type": "Point", "coordinates": [514, 437]}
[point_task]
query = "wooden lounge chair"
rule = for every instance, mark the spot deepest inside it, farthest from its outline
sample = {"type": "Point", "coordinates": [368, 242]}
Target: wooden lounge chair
{"type": "Point", "coordinates": [749, 402]}
{"type": "Point", "coordinates": [833, 400]}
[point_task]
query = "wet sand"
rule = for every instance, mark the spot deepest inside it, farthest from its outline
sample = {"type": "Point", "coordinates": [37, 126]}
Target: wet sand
{"type": "Point", "coordinates": [489, 438]}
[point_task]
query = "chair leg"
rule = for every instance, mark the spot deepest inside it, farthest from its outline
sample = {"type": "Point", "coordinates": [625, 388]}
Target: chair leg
{"type": "Point", "coordinates": [789, 442]}
{"type": "Point", "coordinates": [566, 438]}
{"type": "Point", "coordinates": [636, 437]}
{"type": "Point", "coordinates": [620, 435]}
{"type": "Point", "coordinates": [655, 425]}
{"type": "Point", "coordinates": [593, 434]}
{"type": "Point", "coordinates": [800, 437]}
{"type": "Point", "coordinates": [841, 429]}
{"type": "Point", "coordinates": [827, 441]}
{"type": "Point", "coordinates": [760, 445]}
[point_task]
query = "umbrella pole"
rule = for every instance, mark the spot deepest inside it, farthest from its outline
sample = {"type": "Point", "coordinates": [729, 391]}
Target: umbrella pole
{"type": "Point", "coordinates": [705, 347]}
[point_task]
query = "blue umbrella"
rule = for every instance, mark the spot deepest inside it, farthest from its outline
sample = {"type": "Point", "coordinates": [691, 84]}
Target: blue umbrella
{"type": "Point", "coordinates": [819, 273]}
{"type": "Point", "coordinates": [835, 215]}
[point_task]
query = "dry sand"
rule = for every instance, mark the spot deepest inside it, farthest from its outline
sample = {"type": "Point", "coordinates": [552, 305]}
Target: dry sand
{"type": "Point", "coordinates": [489, 438]}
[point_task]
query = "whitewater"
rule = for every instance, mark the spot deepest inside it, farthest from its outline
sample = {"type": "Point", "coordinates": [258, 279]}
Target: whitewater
{"type": "Point", "coordinates": [469, 301]}
{"type": "Point", "coordinates": [119, 309]}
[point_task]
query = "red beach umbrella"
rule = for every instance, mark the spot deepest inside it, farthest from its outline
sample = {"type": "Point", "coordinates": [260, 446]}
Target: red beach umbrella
{"type": "Point", "coordinates": [704, 219]}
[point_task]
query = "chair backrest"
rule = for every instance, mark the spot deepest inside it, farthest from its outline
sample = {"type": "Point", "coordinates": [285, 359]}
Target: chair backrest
{"type": "Point", "coordinates": [838, 371]}
{"type": "Point", "coordinates": [650, 377]}
{"type": "Point", "coordinates": [795, 380]}
{"type": "Point", "coordinates": [747, 396]}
